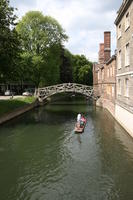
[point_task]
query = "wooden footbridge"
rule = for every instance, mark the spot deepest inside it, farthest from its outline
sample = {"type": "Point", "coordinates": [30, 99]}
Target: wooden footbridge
{"type": "Point", "coordinates": [44, 93]}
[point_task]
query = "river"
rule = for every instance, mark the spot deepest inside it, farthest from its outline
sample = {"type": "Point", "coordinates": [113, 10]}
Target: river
{"type": "Point", "coordinates": [41, 158]}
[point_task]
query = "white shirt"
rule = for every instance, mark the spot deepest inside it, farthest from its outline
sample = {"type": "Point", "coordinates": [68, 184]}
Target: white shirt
{"type": "Point", "coordinates": [78, 117]}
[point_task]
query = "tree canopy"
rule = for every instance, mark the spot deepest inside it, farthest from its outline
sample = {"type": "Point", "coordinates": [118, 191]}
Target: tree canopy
{"type": "Point", "coordinates": [41, 37]}
{"type": "Point", "coordinates": [82, 70]}
{"type": "Point", "coordinates": [66, 66]}
{"type": "Point", "coordinates": [9, 41]}
{"type": "Point", "coordinates": [32, 51]}
{"type": "Point", "coordinates": [39, 32]}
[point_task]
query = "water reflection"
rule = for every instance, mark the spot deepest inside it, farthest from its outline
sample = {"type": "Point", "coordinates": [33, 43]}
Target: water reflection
{"type": "Point", "coordinates": [79, 139]}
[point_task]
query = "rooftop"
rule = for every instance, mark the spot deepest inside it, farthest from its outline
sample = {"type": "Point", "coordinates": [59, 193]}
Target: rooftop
{"type": "Point", "coordinates": [125, 5]}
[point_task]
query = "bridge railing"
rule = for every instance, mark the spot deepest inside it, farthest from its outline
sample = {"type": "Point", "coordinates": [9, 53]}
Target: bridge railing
{"type": "Point", "coordinates": [66, 86]}
{"type": "Point", "coordinates": [45, 92]}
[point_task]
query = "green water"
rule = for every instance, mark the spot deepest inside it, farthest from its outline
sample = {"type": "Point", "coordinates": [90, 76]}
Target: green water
{"type": "Point", "coordinates": [41, 158]}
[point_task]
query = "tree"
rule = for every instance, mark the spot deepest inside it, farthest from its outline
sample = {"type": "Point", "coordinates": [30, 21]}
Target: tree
{"type": "Point", "coordinates": [41, 36]}
{"type": "Point", "coordinates": [85, 75]}
{"type": "Point", "coordinates": [52, 69]}
{"type": "Point", "coordinates": [9, 41]}
{"type": "Point", "coordinates": [66, 66]}
{"type": "Point", "coordinates": [82, 70]}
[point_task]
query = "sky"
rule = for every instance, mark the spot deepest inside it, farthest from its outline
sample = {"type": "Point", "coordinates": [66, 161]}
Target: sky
{"type": "Point", "coordinates": [84, 21]}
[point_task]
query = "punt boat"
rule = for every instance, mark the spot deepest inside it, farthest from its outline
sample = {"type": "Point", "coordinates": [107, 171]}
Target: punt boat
{"type": "Point", "coordinates": [79, 128]}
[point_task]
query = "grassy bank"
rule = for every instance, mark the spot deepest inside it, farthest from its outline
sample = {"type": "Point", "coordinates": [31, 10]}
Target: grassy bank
{"type": "Point", "coordinates": [10, 105]}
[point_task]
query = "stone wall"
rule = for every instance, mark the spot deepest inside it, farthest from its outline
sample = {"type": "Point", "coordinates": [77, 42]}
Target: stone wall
{"type": "Point", "coordinates": [124, 91]}
{"type": "Point", "coordinates": [125, 118]}
{"type": "Point", "coordinates": [125, 72]}
{"type": "Point", "coordinates": [107, 86]}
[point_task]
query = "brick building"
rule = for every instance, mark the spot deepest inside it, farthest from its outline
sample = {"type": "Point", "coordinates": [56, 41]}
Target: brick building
{"type": "Point", "coordinates": [124, 73]}
{"type": "Point", "coordinates": [104, 75]}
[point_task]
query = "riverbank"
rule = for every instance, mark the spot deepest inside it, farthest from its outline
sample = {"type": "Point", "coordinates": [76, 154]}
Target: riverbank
{"type": "Point", "coordinates": [11, 108]}
{"type": "Point", "coordinates": [14, 107]}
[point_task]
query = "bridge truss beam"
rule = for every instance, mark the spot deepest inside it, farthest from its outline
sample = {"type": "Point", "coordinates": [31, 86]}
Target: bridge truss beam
{"type": "Point", "coordinates": [44, 93]}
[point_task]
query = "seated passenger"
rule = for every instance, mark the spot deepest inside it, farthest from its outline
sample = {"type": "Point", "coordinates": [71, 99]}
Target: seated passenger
{"type": "Point", "coordinates": [81, 123]}
{"type": "Point", "coordinates": [78, 117]}
{"type": "Point", "coordinates": [83, 119]}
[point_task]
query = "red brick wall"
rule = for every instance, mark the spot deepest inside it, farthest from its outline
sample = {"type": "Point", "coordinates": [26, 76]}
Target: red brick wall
{"type": "Point", "coordinates": [101, 53]}
{"type": "Point", "coordinates": [107, 45]}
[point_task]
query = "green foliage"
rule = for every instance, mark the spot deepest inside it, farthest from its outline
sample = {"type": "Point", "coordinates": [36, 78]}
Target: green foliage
{"type": "Point", "coordinates": [85, 75]}
{"type": "Point", "coordinates": [52, 70]}
{"type": "Point", "coordinates": [9, 41]}
{"type": "Point", "coordinates": [41, 37]}
{"type": "Point", "coordinates": [33, 51]}
{"type": "Point", "coordinates": [7, 106]}
{"type": "Point", "coordinates": [26, 100]}
{"type": "Point", "coordinates": [39, 32]}
{"type": "Point", "coordinates": [37, 69]}
{"type": "Point", "coordinates": [66, 66]}
{"type": "Point", "coordinates": [82, 70]}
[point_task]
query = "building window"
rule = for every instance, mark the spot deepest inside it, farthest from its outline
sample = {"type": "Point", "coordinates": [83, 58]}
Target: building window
{"type": "Point", "coordinates": [119, 86]}
{"type": "Point", "coordinates": [111, 72]}
{"type": "Point", "coordinates": [127, 21]}
{"type": "Point", "coordinates": [126, 91]}
{"type": "Point", "coordinates": [119, 31]}
{"type": "Point", "coordinates": [113, 91]}
{"type": "Point", "coordinates": [98, 75]}
{"type": "Point", "coordinates": [119, 59]}
{"type": "Point", "coordinates": [102, 88]}
{"type": "Point", "coordinates": [108, 90]}
{"type": "Point", "coordinates": [108, 72]}
{"type": "Point", "coordinates": [102, 74]}
{"type": "Point", "coordinates": [127, 56]}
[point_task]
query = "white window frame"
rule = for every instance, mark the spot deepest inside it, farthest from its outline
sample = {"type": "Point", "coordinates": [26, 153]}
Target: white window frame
{"type": "Point", "coordinates": [108, 90]}
{"type": "Point", "coordinates": [98, 74]}
{"type": "Point", "coordinates": [119, 31]}
{"type": "Point", "coordinates": [102, 74]}
{"type": "Point", "coordinates": [127, 21]}
{"type": "Point", "coordinates": [113, 70]}
{"type": "Point", "coordinates": [111, 73]}
{"type": "Point", "coordinates": [126, 87]}
{"type": "Point", "coordinates": [113, 91]}
{"type": "Point", "coordinates": [119, 87]}
{"type": "Point", "coordinates": [127, 55]}
{"type": "Point", "coordinates": [119, 59]}
{"type": "Point", "coordinates": [108, 72]}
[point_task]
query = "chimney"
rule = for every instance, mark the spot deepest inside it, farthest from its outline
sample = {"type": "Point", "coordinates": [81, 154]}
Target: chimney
{"type": "Point", "coordinates": [101, 53]}
{"type": "Point", "coordinates": [107, 45]}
